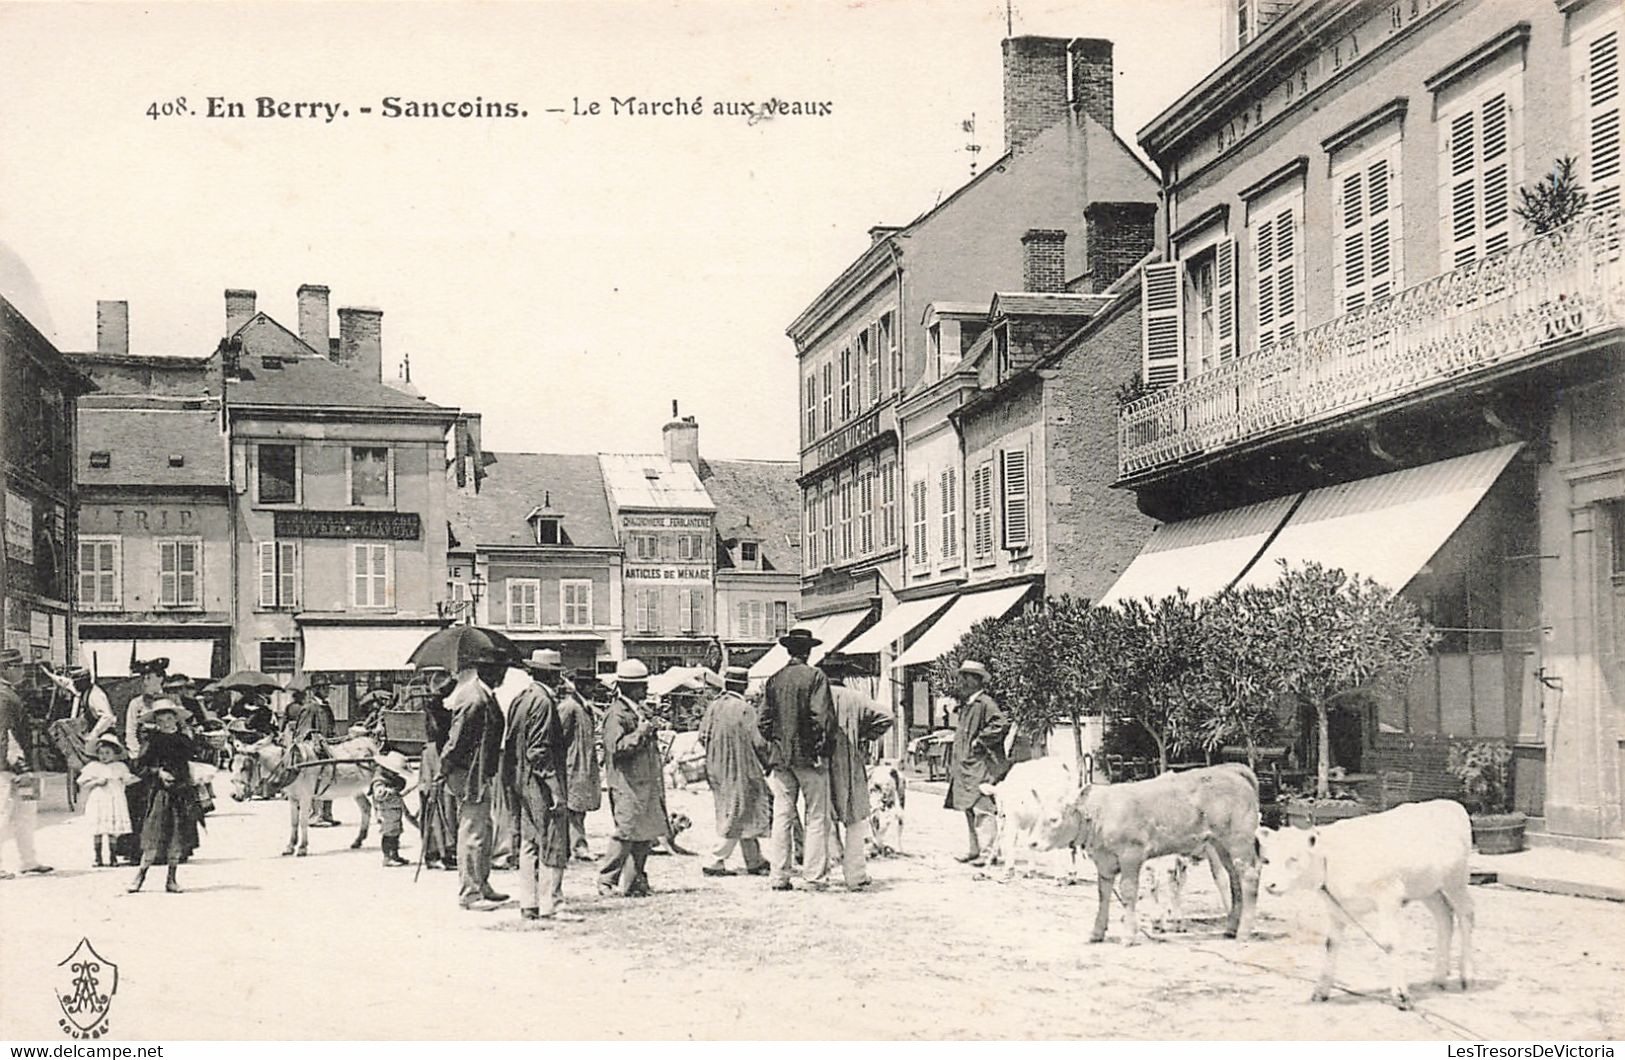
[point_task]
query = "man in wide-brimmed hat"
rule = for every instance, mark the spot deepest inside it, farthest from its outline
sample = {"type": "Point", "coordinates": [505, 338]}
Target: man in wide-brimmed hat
{"type": "Point", "coordinates": [472, 760]}
{"type": "Point", "coordinates": [798, 723]}
{"type": "Point", "coordinates": [859, 722]}
{"type": "Point", "coordinates": [637, 784]}
{"type": "Point", "coordinates": [16, 812]}
{"type": "Point", "coordinates": [534, 770]}
{"type": "Point", "coordinates": [978, 757]}
{"type": "Point", "coordinates": [734, 749]}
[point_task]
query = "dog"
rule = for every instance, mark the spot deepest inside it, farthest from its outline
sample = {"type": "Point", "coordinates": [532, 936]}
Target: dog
{"type": "Point", "coordinates": [888, 793]}
{"type": "Point", "coordinates": [676, 825]}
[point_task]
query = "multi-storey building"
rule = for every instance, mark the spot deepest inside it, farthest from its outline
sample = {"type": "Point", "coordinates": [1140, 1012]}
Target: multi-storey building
{"type": "Point", "coordinates": [534, 553]}
{"type": "Point", "coordinates": [883, 352]}
{"type": "Point", "coordinates": [39, 392]}
{"type": "Point", "coordinates": [339, 498]}
{"type": "Point", "coordinates": [1362, 354]}
{"type": "Point", "coordinates": [156, 566]}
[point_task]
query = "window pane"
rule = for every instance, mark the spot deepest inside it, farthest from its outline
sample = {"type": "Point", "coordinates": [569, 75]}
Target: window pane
{"type": "Point", "coordinates": [369, 476]}
{"type": "Point", "coordinates": [277, 474]}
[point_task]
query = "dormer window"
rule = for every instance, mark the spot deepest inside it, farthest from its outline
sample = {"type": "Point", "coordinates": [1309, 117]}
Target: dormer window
{"type": "Point", "coordinates": [546, 523]}
{"type": "Point", "coordinates": [748, 553]}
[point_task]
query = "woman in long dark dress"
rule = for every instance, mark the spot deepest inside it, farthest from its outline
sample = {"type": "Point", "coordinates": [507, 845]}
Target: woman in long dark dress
{"type": "Point", "coordinates": [170, 826]}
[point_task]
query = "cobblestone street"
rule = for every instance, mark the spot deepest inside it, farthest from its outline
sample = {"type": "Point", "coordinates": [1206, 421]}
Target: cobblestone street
{"type": "Point", "coordinates": [333, 945]}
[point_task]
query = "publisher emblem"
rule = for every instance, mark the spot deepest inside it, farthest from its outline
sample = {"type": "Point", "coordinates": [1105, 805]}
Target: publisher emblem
{"type": "Point", "coordinates": [85, 985]}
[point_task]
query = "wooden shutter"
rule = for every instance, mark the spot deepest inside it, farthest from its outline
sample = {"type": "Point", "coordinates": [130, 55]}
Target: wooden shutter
{"type": "Point", "coordinates": [267, 567]}
{"type": "Point", "coordinates": [1365, 208]}
{"type": "Point", "coordinates": [168, 578]}
{"type": "Point", "coordinates": [917, 498]}
{"type": "Point", "coordinates": [948, 487]}
{"type": "Point", "coordinates": [1224, 283]}
{"type": "Point", "coordinates": [685, 611]}
{"type": "Point", "coordinates": [1495, 146]}
{"type": "Point", "coordinates": [287, 574]}
{"type": "Point", "coordinates": [1162, 328]}
{"type": "Point", "coordinates": [1601, 99]}
{"type": "Point", "coordinates": [1460, 154]}
{"type": "Point", "coordinates": [1015, 498]}
{"type": "Point", "coordinates": [188, 564]}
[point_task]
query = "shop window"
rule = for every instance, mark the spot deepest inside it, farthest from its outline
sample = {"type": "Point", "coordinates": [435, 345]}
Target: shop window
{"type": "Point", "coordinates": [277, 656]}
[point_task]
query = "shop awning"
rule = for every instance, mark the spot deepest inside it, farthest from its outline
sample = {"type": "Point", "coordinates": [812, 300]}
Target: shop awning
{"type": "Point", "coordinates": [111, 658]}
{"type": "Point", "coordinates": [329, 648]}
{"type": "Point", "coordinates": [1385, 527]}
{"type": "Point", "coordinates": [966, 610]}
{"type": "Point", "coordinates": [899, 622]}
{"type": "Point", "coordinates": [833, 630]}
{"type": "Point", "coordinates": [1201, 555]}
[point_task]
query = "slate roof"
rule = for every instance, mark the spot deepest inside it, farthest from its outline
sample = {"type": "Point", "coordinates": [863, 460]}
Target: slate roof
{"type": "Point", "coordinates": [765, 491]}
{"type": "Point", "coordinates": [140, 441]}
{"type": "Point", "coordinates": [304, 379]}
{"type": "Point", "coordinates": [635, 480]}
{"type": "Point", "coordinates": [516, 483]}
{"type": "Point", "coordinates": [1028, 303]}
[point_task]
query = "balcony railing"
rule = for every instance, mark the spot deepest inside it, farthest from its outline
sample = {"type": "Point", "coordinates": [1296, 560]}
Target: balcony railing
{"type": "Point", "coordinates": [1517, 304]}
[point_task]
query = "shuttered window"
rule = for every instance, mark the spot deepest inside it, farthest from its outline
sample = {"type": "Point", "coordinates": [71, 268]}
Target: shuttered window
{"type": "Point", "coordinates": [1015, 498]}
{"type": "Point", "coordinates": [812, 406]}
{"type": "Point", "coordinates": [949, 488]}
{"type": "Point", "coordinates": [1479, 156]}
{"type": "Point", "coordinates": [866, 512]}
{"type": "Point", "coordinates": [812, 530]}
{"type": "Point", "coordinates": [982, 510]}
{"type": "Point", "coordinates": [888, 506]}
{"type": "Point", "coordinates": [1275, 272]}
{"type": "Point", "coordinates": [279, 575]}
{"type": "Point", "coordinates": [846, 518]}
{"type": "Point", "coordinates": [180, 566]}
{"type": "Point", "coordinates": [1597, 104]}
{"type": "Point", "coordinates": [100, 580]}
{"type": "Point", "coordinates": [689, 608]}
{"type": "Point", "coordinates": [829, 395]}
{"type": "Point", "coordinates": [876, 352]}
{"type": "Point", "coordinates": [848, 373]}
{"type": "Point", "coordinates": [1367, 256]}
{"type": "Point", "coordinates": [575, 603]}
{"type": "Point", "coordinates": [1224, 258]}
{"type": "Point", "coordinates": [829, 524]}
{"type": "Point", "coordinates": [1162, 324]}
{"type": "Point", "coordinates": [524, 603]}
{"type": "Point", "coordinates": [917, 519]}
{"type": "Point", "coordinates": [372, 568]}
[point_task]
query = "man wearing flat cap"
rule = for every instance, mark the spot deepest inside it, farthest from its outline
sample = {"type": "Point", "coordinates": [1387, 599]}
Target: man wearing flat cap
{"type": "Point", "coordinates": [533, 769]}
{"type": "Point", "coordinates": [798, 723]}
{"type": "Point", "coordinates": [637, 784]}
{"type": "Point", "coordinates": [978, 757]}
{"type": "Point", "coordinates": [472, 760]}
{"type": "Point", "coordinates": [16, 813]}
{"type": "Point", "coordinates": [734, 750]}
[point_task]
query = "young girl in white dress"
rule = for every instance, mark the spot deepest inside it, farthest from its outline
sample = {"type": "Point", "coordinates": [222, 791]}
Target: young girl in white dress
{"type": "Point", "coordinates": [103, 783]}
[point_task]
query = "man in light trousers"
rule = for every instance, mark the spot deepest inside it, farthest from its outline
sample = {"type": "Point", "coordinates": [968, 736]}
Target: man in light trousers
{"type": "Point", "coordinates": [798, 723]}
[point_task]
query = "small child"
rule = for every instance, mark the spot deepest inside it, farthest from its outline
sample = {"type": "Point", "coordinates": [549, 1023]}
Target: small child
{"type": "Point", "coordinates": [106, 810]}
{"type": "Point", "coordinates": [387, 804]}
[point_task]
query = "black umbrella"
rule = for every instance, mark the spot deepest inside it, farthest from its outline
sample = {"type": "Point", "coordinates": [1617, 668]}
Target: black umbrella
{"type": "Point", "coordinates": [246, 681]}
{"type": "Point", "coordinates": [459, 647]}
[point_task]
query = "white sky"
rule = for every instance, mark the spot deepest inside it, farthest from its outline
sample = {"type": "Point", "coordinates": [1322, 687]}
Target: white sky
{"type": "Point", "coordinates": [566, 277]}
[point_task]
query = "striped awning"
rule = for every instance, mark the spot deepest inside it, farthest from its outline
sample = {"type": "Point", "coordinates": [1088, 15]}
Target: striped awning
{"type": "Point", "coordinates": [1203, 555]}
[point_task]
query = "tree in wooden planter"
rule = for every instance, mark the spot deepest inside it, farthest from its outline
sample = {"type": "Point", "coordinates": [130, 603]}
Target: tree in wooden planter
{"type": "Point", "coordinates": [1238, 707]}
{"type": "Point", "coordinates": [1323, 637]}
{"type": "Point", "coordinates": [1484, 770]}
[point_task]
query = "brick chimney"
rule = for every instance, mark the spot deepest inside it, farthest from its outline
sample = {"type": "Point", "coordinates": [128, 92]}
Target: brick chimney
{"type": "Point", "coordinates": [1116, 236]}
{"type": "Point", "coordinates": [361, 343]}
{"type": "Point", "coordinates": [313, 316]}
{"type": "Point", "coordinates": [1092, 78]}
{"type": "Point", "coordinates": [112, 328]}
{"type": "Point", "coordinates": [239, 308]}
{"type": "Point", "coordinates": [1043, 261]}
{"type": "Point", "coordinates": [1035, 87]}
{"type": "Point", "coordinates": [682, 439]}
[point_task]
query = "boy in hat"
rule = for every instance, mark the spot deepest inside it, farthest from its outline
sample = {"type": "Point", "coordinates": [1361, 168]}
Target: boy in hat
{"type": "Point", "coordinates": [798, 722]}
{"type": "Point", "coordinates": [978, 757]}
{"type": "Point", "coordinates": [734, 750]}
{"type": "Point", "coordinates": [387, 791]}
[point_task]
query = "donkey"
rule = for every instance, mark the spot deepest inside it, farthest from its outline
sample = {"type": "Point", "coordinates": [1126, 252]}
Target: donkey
{"type": "Point", "coordinates": [337, 779]}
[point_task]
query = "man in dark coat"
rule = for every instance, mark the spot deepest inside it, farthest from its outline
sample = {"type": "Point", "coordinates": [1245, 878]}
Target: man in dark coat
{"type": "Point", "coordinates": [859, 723]}
{"type": "Point", "coordinates": [637, 784]}
{"type": "Point", "coordinates": [471, 761]}
{"type": "Point", "coordinates": [978, 757]}
{"type": "Point", "coordinates": [583, 787]}
{"type": "Point", "coordinates": [534, 771]}
{"type": "Point", "coordinates": [798, 723]}
{"type": "Point", "coordinates": [734, 750]}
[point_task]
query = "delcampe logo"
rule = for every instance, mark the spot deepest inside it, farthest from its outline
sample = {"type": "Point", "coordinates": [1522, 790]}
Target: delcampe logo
{"type": "Point", "coordinates": [85, 990]}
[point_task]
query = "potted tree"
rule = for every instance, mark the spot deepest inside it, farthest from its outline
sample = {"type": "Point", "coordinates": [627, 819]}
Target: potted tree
{"type": "Point", "coordinates": [1484, 771]}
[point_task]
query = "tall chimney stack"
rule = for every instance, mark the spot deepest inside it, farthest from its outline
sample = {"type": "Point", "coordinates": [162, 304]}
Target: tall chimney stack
{"type": "Point", "coordinates": [1043, 262]}
{"type": "Point", "coordinates": [1092, 79]}
{"type": "Point", "coordinates": [239, 308]}
{"type": "Point", "coordinates": [1035, 89]}
{"type": "Point", "coordinates": [682, 439]}
{"type": "Point", "coordinates": [1116, 236]}
{"type": "Point", "coordinates": [112, 328]}
{"type": "Point", "coordinates": [313, 317]}
{"type": "Point", "coordinates": [361, 343]}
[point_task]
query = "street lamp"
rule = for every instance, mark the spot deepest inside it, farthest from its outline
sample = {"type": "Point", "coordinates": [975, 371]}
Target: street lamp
{"type": "Point", "coordinates": [476, 589]}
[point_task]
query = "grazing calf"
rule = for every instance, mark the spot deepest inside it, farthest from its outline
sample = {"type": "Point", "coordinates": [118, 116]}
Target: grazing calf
{"type": "Point", "coordinates": [1035, 803]}
{"type": "Point", "coordinates": [1212, 811]}
{"type": "Point", "coordinates": [887, 795]}
{"type": "Point", "coordinates": [1367, 868]}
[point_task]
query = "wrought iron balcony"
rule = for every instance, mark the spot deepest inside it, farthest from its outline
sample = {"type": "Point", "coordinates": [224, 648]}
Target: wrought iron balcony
{"type": "Point", "coordinates": [1520, 303]}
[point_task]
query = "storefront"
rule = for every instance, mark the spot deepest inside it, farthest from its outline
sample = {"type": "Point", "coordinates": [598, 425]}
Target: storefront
{"type": "Point", "coordinates": [347, 660]}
